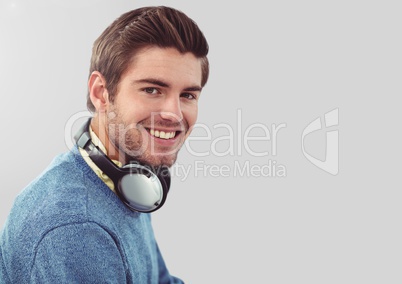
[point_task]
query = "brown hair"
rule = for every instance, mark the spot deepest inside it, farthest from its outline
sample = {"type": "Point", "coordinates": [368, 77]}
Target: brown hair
{"type": "Point", "coordinates": [159, 26]}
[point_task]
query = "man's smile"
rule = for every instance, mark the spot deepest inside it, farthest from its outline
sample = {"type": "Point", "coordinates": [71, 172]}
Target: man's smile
{"type": "Point", "coordinates": [165, 137]}
{"type": "Point", "coordinates": [162, 134]}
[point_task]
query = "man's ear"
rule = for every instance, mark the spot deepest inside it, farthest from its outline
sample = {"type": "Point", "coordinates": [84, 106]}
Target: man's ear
{"type": "Point", "coordinates": [97, 91]}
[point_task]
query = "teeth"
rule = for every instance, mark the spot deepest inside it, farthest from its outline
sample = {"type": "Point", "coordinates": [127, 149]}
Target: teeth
{"type": "Point", "coordinates": [163, 134]}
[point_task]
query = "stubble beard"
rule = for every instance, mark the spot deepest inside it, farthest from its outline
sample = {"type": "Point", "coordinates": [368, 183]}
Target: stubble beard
{"type": "Point", "coordinates": [129, 140]}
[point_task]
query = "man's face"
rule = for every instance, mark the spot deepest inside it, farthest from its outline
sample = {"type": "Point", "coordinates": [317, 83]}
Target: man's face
{"type": "Point", "coordinates": [155, 106]}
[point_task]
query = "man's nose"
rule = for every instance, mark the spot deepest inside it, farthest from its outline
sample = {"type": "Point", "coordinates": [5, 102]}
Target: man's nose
{"type": "Point", "coordinates": [171, 110]}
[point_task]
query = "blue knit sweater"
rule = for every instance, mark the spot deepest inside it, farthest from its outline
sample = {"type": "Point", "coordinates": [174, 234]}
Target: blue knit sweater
{"type": "Point", "coordinates": [67, 226]}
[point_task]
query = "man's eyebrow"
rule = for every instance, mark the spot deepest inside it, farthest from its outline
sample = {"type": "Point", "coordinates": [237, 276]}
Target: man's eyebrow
{"type": "Point", "coordinates": [152, 81]}
{"type": "Point", "coordinates": [193, 89]}
{"type": "Point", "coordinates": [160, 83]}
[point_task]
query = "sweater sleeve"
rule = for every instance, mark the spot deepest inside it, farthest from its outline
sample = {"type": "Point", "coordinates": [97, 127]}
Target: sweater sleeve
{"type": "Point", "coordinates": [3, 271]}
{"type": "Point", "coordinates": [78, 253]}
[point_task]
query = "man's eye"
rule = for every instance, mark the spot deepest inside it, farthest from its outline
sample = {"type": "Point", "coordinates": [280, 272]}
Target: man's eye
{"type": "Point", "coordinates": [152, 91]}
{"type": "Point", "coordinates": [189, 96]}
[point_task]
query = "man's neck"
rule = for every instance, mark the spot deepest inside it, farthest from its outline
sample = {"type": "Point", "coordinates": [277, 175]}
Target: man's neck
{"type": "Point", "coordinates": [107, 146]}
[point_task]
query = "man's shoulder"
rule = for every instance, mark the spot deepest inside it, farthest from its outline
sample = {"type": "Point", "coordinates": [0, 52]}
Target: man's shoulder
{"type": "Point", "coordinates": [57, 195]}
{"type": "Point", "coordinates": [55, 186]}
{"type": "Point", "coordinates": [65, 193]}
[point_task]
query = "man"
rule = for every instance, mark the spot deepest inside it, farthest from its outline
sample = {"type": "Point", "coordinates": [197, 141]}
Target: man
{"type": "Point", "coordinates": [80, 222]}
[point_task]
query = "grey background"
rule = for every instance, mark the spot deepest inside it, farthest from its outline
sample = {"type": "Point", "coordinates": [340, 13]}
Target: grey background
{"type": "Point", "coordinates": [278, 62]}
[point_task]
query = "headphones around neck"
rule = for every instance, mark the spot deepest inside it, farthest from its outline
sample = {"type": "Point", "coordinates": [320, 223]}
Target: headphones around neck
{"type": "Point", "coordinates": [141, 188]}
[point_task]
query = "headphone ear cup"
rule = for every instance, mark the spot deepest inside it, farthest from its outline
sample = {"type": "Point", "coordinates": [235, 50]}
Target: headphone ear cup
{"type": "Point", "coordinates": [143, 188]}
{"type": "Point", "coordinates": [163, 174]}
